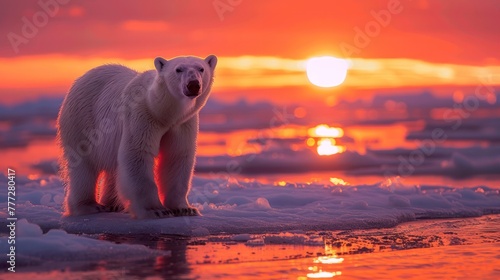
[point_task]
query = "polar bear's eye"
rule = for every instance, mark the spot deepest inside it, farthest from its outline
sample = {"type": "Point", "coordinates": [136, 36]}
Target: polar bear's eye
{"type": "Point", "coordinates": [201, 69]}
{"type": "Point", "coordinates": [179, 70]}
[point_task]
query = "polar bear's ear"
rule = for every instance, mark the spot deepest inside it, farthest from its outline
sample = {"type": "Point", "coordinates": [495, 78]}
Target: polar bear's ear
{"type": "Point", "coordinates": [160, 63]}
{"type": "Point", "coordinates": [211, 60]}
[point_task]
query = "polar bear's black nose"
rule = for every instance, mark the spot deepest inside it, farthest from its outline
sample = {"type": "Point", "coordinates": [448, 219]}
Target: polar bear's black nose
{"type": "Point", "coordinates": [193, 87]}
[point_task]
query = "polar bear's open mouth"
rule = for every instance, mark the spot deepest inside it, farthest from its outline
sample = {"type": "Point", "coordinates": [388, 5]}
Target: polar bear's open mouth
{"type": "Point", "coordinates": [193, 89]}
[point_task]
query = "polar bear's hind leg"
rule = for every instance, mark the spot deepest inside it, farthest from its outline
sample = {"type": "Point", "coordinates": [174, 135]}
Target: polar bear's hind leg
{"type": "Point", "coordinates": [108, 195]}
{"type": "Point", "coordinates": [80, 196]}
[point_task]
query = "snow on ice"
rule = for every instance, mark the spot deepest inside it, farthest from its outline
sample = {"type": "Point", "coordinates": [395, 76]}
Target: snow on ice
{"type": "Point", "coordinates": [245, 209]}
{"type": "Point", "coordinates": [241, 207]}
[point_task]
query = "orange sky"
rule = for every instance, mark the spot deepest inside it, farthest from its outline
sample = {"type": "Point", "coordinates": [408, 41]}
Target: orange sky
{"type": "Point", "coordinates": [261, 44]}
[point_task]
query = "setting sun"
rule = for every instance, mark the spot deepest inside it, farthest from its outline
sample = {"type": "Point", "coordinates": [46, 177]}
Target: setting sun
{"type": "Point", "coordinates": [326, 71]}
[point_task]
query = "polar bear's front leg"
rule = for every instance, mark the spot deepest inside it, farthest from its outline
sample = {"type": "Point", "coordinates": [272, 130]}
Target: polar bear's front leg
{"type": "Point", "coordinates": [135, 181]}
{"type": "Point", "coordinates": [176, 165]}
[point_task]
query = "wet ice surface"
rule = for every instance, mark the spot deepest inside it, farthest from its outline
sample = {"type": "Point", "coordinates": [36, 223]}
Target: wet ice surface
{"type": "Point", "coordinates": [250, 227]}
{"type": "Point", "coordinates": [433, 249]}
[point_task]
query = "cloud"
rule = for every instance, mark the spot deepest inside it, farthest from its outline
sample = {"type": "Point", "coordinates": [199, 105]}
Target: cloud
{"type": "Point", "coordinates": [238, 74]}
{"type": "Point", "coordinates": [450, 162]}
{"type": "Point", "coordinates": [274, 153]}
{"type": "Point", "coordinates": [40, 109]}
{"type": "Point", "coordinates": [47, 167]}
{"type": "Point", "coordinates": [35, 120]}
{"type": "Point", "coordinates": [456, 163]}
{"type": "Point", "coordinates": [145, 26]}
{"type": "Point", "coordinates": [418, 100]}
{"type": "Point", "coordinates": [218, 116]}
{"type": "Point", "coordinates": [28, 121]}
{"type": "Point", "coordinates": [20, 135]}
{"type": "Point", "coordinates": [286, 160]}
{"type": "Point", "coordinates": [441, 33]}
{"type": "Point", "coordinates": [457, 129]}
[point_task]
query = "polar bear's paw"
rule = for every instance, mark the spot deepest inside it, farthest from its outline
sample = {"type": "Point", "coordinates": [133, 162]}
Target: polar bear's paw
{"type": "Point", "coordinates": [155, 213]}
{"type": "Point", "coordinates": [113, 208]}
{"type": "Point", "coordinates": [87, 209]}
{"type": "Point", "coordinates": [189, 211]}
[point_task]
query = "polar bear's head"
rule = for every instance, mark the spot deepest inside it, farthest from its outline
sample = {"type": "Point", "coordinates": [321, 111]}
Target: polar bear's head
{"type": "Point", "coordinates": [187, 77]}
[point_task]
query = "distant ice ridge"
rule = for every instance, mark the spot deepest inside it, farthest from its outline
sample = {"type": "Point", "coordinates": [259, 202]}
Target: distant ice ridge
{"type": "Point", "coordinates": [249, 207]}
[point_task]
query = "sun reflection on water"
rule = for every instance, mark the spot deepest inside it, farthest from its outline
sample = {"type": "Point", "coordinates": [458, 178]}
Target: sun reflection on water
{"type": "Point", "coordinates": [324, 130]}
{"type": "Point", "coordinates": [338, 181]}
{"type": "Point", "coordinates": [322, 274]}
{"type": "Point", "coordinates": [326, 143]}
{"type": "Point", "coordinates": [327, 147]}
{"type": "Point", "coordinates": [320, 271]}
{"type": "Point", "coordinates": [328, 260]}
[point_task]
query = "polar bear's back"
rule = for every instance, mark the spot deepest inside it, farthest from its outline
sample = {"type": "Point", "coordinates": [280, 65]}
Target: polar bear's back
{"type": "Point", "coordinates": [89, 112]}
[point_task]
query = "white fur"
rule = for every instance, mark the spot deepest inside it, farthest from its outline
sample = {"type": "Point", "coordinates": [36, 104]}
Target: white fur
{"type": "Point", "coordinates": [116, 122]}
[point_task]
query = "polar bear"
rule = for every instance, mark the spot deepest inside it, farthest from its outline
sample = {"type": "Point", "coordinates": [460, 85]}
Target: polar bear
{"type": "Point", "coordinates": [137, 133]}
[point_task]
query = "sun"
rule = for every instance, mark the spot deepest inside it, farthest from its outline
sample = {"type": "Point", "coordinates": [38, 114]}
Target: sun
{"type": "Point", "coordinates": [326, 71]}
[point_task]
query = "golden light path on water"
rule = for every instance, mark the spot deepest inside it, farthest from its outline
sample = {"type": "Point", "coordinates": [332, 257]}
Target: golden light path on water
{"type": "Point", "coordinates": [323, 136]}
{"type": "Point", "coordinates": [319, 272]}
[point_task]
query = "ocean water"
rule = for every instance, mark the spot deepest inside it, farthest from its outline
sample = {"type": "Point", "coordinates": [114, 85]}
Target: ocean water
{"type": "Point", "coordinates": [384, 189]}
{"type": "Point", "coordinates": [430, 249]}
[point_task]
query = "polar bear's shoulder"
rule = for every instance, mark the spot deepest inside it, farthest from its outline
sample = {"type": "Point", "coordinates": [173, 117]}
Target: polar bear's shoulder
{"type": "Point", "coordinates": [108, 73]}
{"type": "Point", "coordinates": [112, 69]}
